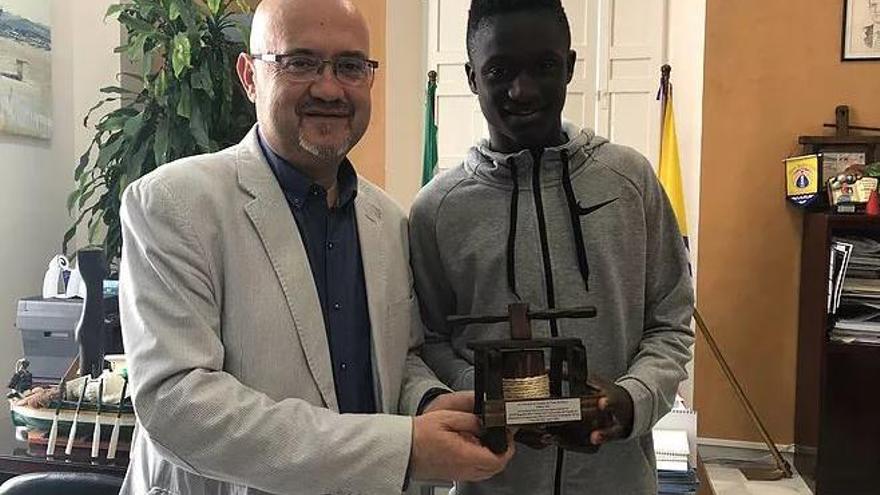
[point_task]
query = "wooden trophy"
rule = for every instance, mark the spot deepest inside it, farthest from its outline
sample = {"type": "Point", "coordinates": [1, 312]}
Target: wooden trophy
{"type": "Point", "coordinates": [514, 389]}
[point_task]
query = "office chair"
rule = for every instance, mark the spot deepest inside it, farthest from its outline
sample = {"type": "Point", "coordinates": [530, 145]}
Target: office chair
{"type": "Point", "coordinates": [62, 483]}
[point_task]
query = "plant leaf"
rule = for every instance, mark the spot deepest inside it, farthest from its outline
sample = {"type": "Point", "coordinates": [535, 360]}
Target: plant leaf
{"type": "Point", "coordinates": [135, 25]}
{"type": "Point", "coordinates": [198, 128]}
{"type": "Point", "coordinates": [114, 9]}
{"type": "Point", "coordinates": [68, 236]}
{"type": "Point", "coordinates": [135, 165]}
{"type": "Point", "coordinates": [71, 199]}
{"type": "Point", "coordinates": [95, 107]}
{"type": "Point", "coordinates": [84, 160]}
{"type": "Point", "coordinates": [181, 54]}
{"type": "Point", "coordinates": [109, 152]}
{"type": "Point", "coordinates": [72, 230]}
{"type": "Point", "coordinates": [133, 126]}
{"type": "Point", "coordinates": [243, 6]}
{"type": "Point", "coordinates": [94, 224]}
{"type": "Point", "coordinates": [188, 14]}
{"type": "Point", "coordinates": [214, 6]}
{"type": "Point", "coordinates": [201, 79]}
{"type": "Point", "coordinates": [184, 106]}
{"type": "Point", "coordinates": [116, 119]}
{"type": "Point", "coordinates": [245, 33]}
{"type": "Point", "coordinates": [85, 197]}
{"type": "Point", "coordinates": [160, 84]}
{"type": "Point", "coordinates": [160, 148]}
{"type": "Point", "coordinates": [174, 10]}
{"type": "Point", "coordinates": [116, 90]}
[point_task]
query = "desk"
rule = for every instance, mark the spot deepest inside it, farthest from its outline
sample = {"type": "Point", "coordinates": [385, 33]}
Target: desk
{"type": "Point", "coordinates": [705, 484]}
{"type": "Point", "coordinates": [15, 460]}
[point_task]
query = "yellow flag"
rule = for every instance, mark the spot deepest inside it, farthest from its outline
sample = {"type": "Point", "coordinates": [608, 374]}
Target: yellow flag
{"type": "Point", "coordinates": [670, 166]}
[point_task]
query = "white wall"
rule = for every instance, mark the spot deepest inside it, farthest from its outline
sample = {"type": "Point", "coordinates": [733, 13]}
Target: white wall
{"type": "Point", "coordinates": [685, 47]}
{"type": "Point", "coordinates": [36, 175]}
{"type": "Point", "coordinates": [405, 96]}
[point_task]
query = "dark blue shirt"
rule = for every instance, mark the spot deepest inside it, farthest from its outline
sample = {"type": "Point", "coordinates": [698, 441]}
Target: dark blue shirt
{"type": "Point", "coordinates": [331, 240]}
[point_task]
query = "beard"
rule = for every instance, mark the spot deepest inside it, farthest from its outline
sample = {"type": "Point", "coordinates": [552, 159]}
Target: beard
{"type": "Point", "coordinates": [325, 152]}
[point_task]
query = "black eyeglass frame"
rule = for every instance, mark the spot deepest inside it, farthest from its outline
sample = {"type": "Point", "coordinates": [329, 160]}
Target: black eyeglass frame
{"type": "Point", "coordinates": [278, 58]}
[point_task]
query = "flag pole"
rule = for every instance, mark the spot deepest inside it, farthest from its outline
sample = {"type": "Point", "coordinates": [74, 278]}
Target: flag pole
{"type": "Point", "coordinates": [671, 182]}
{"type": "Point", "coordinates": [663, 93]}
{"type": "Point", "coordinates": [783, 468]}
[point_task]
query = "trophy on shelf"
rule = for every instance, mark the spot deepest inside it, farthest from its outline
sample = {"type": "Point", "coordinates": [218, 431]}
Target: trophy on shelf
{"type": "Point", "coordinates": [514, 388]}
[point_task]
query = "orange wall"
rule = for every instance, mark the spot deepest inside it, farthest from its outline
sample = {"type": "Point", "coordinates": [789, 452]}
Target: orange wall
{"type": "Point", "coordinates": [773, 72]}
{"type": "Point", "coordinates": [369, 155]}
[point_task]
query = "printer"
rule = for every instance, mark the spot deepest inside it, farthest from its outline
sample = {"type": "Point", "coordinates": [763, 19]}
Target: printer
{"type": "Point", "coordinates": [48, 332]}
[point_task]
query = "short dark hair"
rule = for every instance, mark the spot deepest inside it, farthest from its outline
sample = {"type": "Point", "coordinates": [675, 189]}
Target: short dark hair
{"type": "Point", "coordinates": [481, 10]}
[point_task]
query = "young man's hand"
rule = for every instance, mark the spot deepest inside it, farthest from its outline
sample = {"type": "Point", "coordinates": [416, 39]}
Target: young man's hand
{"type": "Point", "coordinates": [619, 404]}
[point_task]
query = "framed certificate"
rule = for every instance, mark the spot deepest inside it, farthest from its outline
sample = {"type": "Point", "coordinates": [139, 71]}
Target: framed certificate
{"type": "Point", "coordinates": [861, 30]}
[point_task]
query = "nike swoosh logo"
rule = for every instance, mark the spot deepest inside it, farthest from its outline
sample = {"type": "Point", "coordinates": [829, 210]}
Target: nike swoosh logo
{"type": "Point", "coordinates": [586, 211]}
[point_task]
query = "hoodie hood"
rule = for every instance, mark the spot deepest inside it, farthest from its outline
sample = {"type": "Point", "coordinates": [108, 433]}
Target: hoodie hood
{"type": "Point", "coordinates": [496, 167]}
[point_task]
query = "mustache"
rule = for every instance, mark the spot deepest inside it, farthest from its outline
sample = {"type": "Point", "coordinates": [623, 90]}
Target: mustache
{"type": "Point", "coordinates": [338, 108]}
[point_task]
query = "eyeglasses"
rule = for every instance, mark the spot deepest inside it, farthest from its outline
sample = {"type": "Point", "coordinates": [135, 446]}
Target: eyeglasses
{"type": "Point", "coordinates": [348, 70]}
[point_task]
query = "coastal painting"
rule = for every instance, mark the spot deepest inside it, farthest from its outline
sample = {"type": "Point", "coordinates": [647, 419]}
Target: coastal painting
{"type": "Point", "coordinates": [26, 68]}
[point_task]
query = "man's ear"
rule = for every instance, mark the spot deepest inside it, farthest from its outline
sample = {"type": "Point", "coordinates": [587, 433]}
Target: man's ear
{"type": "Point", "coordinates": [572, 60]}
{"type": "Point", "coordinates": [471, 77]}
{"type": "Point", "coordinates": [244, 66]}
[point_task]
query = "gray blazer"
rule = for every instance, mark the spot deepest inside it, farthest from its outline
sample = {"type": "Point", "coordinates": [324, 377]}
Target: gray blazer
{"type": "Point", "coordinates": [228, 356]}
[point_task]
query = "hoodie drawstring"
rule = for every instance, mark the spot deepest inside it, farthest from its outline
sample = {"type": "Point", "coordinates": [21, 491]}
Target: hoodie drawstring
{"type": "Point", "coordinates": [511, 232]}
{"type": "Point", "coordinates": [574, 214]}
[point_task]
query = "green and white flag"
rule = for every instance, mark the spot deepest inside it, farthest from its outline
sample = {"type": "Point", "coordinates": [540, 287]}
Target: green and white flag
{"type": "Point", "coordinates": [429, 157]}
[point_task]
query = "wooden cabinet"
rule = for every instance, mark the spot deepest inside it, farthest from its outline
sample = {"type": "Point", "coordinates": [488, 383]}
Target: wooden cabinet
{"type": "Point", "coordinates": [837, 418]}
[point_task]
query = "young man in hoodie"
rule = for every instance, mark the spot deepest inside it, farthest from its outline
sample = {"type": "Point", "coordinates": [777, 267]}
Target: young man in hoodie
{"type": "Point", "coordinates": [557, 217]}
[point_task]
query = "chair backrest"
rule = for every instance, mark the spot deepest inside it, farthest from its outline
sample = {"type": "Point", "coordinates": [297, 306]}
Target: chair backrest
{"type": "Point", "coordinates": [57, 483]}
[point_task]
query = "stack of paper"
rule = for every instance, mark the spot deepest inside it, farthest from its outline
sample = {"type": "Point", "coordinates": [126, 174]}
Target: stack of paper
{"type": "Point", "coordinates": [672, 448]}
{"type": "Point", "coordinates": [838, 261]}
{"type": "Point", "coordinates": [857, 307]}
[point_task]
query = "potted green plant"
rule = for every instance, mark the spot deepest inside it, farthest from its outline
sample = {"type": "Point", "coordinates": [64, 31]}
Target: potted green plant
{"type": "Point", "coordinates": [187, 101]}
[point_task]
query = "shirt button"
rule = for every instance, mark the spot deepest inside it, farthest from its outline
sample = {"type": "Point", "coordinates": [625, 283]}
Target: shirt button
{"type": "Point", "coordinates": [337, 306]}
{"type": "Point", "coordinates": [330, 245]}
{"type": "Point", "coordinates": [343, 366]}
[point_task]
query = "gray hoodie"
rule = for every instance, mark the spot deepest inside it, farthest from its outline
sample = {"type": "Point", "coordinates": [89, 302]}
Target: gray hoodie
{"type": "Point", "coordinates": [632, 267]}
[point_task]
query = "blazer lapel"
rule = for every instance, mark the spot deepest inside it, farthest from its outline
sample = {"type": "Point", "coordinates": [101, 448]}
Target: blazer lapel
{"type": "Point", "coordinates": [373, 254]}
{"type": "Point", "coordinates": [271, 217]}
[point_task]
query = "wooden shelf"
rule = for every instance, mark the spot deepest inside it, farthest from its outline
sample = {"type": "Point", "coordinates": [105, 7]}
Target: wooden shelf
{"type": "Point", "coordinates": [836, 426]}
{"type": "Point", "coordinates": [854, 222]}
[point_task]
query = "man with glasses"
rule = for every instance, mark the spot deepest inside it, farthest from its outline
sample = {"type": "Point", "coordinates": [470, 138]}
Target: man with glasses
{"type": "Point", "coordinates": [266, 296]}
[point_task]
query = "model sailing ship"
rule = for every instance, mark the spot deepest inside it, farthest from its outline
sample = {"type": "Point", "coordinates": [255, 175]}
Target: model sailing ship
{"type": "Point", "coordinates": [80, 419]}
{"type": "Point", "coordinates": [88, 416]}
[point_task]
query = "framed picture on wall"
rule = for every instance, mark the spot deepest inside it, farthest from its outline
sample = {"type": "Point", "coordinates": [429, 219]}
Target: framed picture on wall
{"type": "Point", "coordinates": [861, 30]}
{"type": "Point", "coordinates": [26, 68]}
